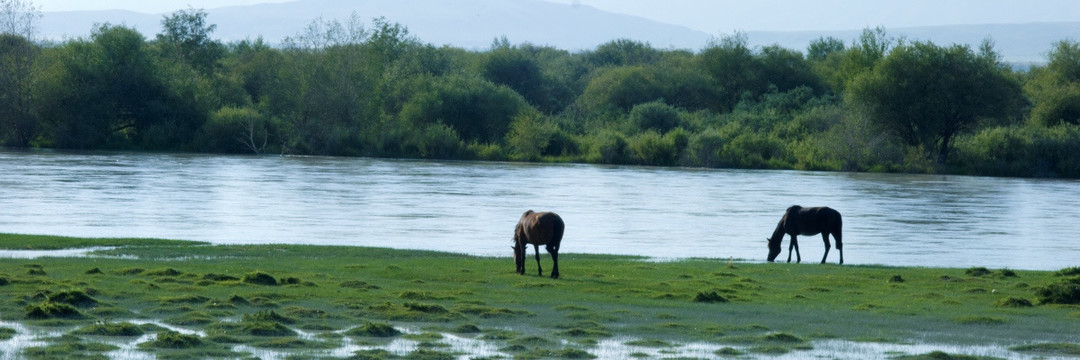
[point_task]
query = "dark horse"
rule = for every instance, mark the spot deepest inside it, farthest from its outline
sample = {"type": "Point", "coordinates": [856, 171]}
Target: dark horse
{"type": "Point", "coordinates": [538, 228]}
{"type": "Point", "coordinates": [798, 220]}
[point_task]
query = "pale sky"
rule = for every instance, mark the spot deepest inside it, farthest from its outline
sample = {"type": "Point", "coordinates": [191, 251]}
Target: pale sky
{"type": "Point", "coordinates": [742, 15]}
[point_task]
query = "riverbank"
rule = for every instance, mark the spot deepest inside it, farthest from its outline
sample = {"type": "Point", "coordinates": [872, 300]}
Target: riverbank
{"type": "Point", "coordinates": [178, 299]}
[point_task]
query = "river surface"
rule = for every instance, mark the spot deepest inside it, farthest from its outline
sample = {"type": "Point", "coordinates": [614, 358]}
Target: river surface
{"type": "Point", "coordinates": [471, 207]}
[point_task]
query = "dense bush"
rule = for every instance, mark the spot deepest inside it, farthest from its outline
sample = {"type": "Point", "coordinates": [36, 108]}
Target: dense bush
{"type": "Point", "coordinates": [380, 92]}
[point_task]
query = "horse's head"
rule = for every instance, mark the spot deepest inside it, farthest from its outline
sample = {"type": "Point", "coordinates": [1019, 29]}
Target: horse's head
{"type": "Point", "coordinates": [774, 248]}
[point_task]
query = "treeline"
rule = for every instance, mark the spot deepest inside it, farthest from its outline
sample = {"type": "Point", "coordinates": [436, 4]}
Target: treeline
{"type": "Point", "coordinates": [340, 88]}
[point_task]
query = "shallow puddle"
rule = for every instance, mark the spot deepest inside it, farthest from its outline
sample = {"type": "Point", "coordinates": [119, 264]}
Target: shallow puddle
{"type": "Point", "coordinates": [35, 254]}
{"type": "Point", "coordinates": [469, 347]}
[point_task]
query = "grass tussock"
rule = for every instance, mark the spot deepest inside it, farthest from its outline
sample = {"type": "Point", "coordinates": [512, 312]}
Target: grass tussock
{"type": "Point", "coordinates": [709, 297]}
{"type": "Point", "coordinates": [1049, 349]}
{"type": "Point", "coordinates": [374, 330]}
{"type": "Point", "coordinates": [110, 329]}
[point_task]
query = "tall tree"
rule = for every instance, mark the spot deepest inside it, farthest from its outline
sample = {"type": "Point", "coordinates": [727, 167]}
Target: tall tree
{"type": "Point", "coordinates": [18, 57]}
{"type": "Point", "coordinates": [112, 92]}
{"type": "Point", "coordinates": [185, 36]}
{"type": "Point", "coordinates": [926, 94]}
{"type": "Point", "coordinates": [731, 64]}
{"type": "Point", "coordinates": [1055, 88]}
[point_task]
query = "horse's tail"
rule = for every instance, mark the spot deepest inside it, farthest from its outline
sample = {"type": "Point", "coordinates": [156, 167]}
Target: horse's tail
{"type": "Point", "coordinates": [557, 232]}
{"type": "Point", "coordinates": [838, 234]}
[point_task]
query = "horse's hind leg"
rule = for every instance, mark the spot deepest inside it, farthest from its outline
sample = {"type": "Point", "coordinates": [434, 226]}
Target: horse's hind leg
{"type": "Point", "coordinates": [825, 237]}
{"type": "Point", "coordinates": [839, 246]}
{"type": "Point", "coordinates": [539, 270]}
{"type": "Point", "coordinates": [554, 261]}
{"type": "Point", "coordinates": [794, 245]}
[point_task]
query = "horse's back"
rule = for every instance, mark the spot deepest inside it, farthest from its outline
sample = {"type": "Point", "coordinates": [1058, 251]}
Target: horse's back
{"type": "Point", "coordinates": [542, 227]}
{"type": "Point", "coordinates": [815, 220]}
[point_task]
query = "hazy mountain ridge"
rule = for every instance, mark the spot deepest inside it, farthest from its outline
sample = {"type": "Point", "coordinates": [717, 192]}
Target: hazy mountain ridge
{"type": "Point", "coordinates": [473, 24]}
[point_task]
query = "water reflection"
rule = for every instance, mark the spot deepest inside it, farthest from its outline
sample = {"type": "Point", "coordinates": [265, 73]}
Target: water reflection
{"type": "Point", "coordinates": [471, 207]}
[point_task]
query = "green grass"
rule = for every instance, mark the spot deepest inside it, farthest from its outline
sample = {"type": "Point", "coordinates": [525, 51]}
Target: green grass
{"type": "Point", "coordinates": [261, 294]}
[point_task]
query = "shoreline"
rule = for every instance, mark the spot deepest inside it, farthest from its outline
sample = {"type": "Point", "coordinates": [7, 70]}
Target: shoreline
{"type": "Point", "coordinates": [264, 297]}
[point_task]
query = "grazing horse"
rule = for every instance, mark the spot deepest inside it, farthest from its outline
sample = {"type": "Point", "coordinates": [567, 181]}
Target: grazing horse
{"type": "Point", "coordinates": [538, 228]}
{"type": "Point", "coordinates": [798, 220]}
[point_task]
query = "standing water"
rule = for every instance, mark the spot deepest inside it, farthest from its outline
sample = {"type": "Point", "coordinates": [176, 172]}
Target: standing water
{"type": "Point", "coordinates": [471, 207]}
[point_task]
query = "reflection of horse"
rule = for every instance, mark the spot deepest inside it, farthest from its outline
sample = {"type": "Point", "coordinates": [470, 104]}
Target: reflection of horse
{"type": "Point", "coordinates": [798, 220]}
{"type": "Point", "coordinates": [538, 228]}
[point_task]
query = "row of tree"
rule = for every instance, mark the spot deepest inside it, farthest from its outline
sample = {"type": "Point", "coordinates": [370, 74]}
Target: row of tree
{"type": "Point", "coordinates": [342, 88]}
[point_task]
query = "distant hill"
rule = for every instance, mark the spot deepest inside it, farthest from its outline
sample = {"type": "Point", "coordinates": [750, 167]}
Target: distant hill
{"type": "Point", "coordinates": [473, 24]}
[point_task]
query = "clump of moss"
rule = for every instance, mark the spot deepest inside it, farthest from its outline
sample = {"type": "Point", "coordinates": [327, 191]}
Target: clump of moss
{"type": "Point", "coordinates": [174, 340]}
{"type": "Point", "coordinates": [74, 298]}
{"type": "Point", "coordinates": [567, 353]}
{"type": "Point", "coordinates": [357, 284]}
{"type": "Point", "coordinates": [183, 299]}
{"type": "Point", "coordinates": [770, 350]}
{"type": "Point", "coordinates": [1014, 302]}
{"type": "Point", "coordinates": [163, 272]}
{"type": "Point", "coordinates": [49, 309]}
{"type": "Point", "coordinates": [466, 329]}
{"type": "Point", "coordinates": [1049, 348]}
{"type": "Point", "coordinates": [374, 330]}
{"type": "Point", "coordinates": [781, 337]}
{"type": "Point", "coordinates": [977, 271]}
{"type": "Point", "coordinates": [129, 271]}
{"type": "Point", "coordinates": [582, 332]}
{"type": "Point", "coordinates": [290, 280]}
{"type": "Point", "coordinates": [650, 343]}
{"type": "Point", "coordinates": [937, 355]}
{"type": "Point", "coordinates": [7, 333]}
{"type": "Point", "coordinates": [426, 308]}
{"type": "Point", "coordinates": [266, 328]}
{"type": "Point", "coordinates": [110, 329]}
{"type": "Point", "coordinates": [728, 351]}
{"type": "Point", "coordinates": [219, 277]}
{"type": "Point", "coordinates": [981, 320]}
{"type": "Point", "coordinates": [238, 300]}
{"type": "Point", "coordinates": [709, 297]}
{"type": "Point", "coordinates": [68, 348]}
{"type": "Point", "coordinates": [259, 278]}
{"type": "Point", "coordinates": [268, 315]}
{"type": "Point", "coordinates": [486, 311]}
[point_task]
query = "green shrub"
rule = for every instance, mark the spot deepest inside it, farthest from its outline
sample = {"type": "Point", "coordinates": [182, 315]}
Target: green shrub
{"type": "Point", "coordinates": [607, 147]}
{"type": "Point", "coordinates": [1065, 291]}
{"type": "Point", "coordinates": [656, 116]}
{"type": "Point", "coordinates": [649, 148]}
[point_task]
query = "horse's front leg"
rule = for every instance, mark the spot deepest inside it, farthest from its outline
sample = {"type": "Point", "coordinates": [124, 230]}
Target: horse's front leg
{"type": "Point", "coordinates": [519, 259]}
{"type": "Point", "coordinates": [794, 245]}
{"type": "Point", "coordinates": [540, 271]}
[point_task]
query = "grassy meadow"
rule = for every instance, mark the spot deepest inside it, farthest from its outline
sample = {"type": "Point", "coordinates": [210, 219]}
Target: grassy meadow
{"type": "Point", "coordinates": [299, 300]}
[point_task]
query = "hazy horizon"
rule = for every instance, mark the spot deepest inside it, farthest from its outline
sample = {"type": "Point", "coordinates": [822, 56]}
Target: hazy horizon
{"type": "Point", "coordinates": [726, 16]}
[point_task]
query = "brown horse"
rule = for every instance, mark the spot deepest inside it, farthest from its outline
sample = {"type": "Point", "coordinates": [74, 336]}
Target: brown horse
{"type": "Point", "coordinates": [798, 220]}
{"type": "Point", "coordinates": [538, 228]}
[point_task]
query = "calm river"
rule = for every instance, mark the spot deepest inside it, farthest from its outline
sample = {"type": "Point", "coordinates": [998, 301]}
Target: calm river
{"type": "Point", "coordinates": [471, 207]}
